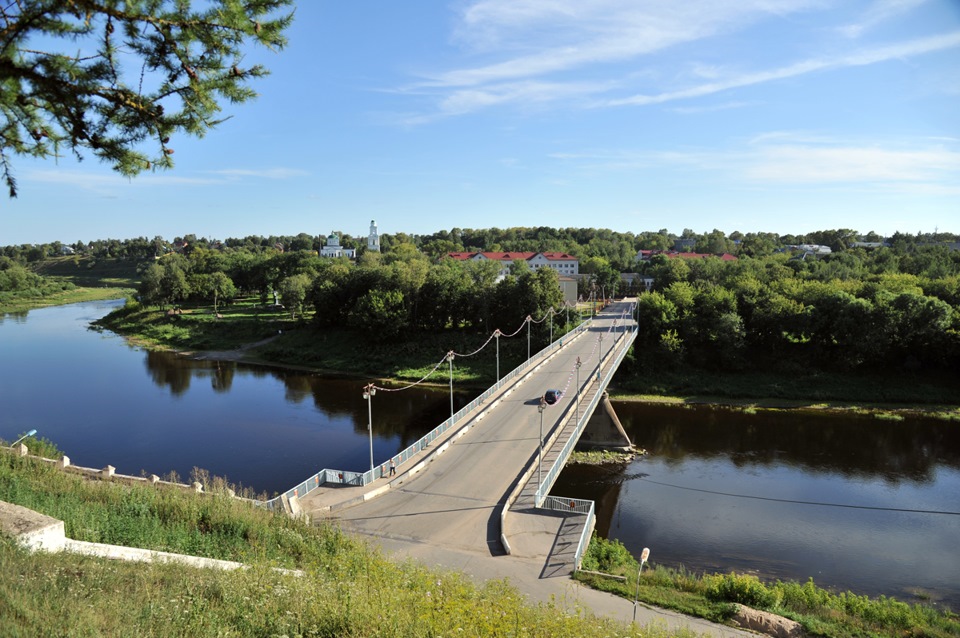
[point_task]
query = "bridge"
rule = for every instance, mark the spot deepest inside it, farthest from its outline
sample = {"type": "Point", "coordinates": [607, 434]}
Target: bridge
{"type": "Point", "coordinates": [474, 494]}
{"type": "Point", "coordinates": [481, 480]}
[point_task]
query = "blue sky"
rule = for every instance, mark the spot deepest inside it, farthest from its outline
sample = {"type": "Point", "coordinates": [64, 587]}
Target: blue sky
{"type": "Point", "coordinates": [783, 116]}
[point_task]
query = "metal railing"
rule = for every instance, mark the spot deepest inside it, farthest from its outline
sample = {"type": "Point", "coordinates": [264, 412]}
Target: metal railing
{"type": "Point", "coordinates": [618, 352]}
{"type": "Point", "coordinates": [575, 506]}
{"type": "Point", "coordinates": [342, 477]}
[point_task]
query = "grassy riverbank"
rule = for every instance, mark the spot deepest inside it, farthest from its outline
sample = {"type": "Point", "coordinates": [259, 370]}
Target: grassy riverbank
{"type": "Point", "coordinates": [821, 612]}
{"type": "Point", "coordinates": [346, 589]}
{"type": "Point", "coordinates": [879, 410]}
{"type": "Point", "coordinates": [15, 305]}
{"type": "Point", "coordinates": [298, 343]}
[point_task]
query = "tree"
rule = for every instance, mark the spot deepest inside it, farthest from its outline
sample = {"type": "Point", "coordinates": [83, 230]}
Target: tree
{"type": "Point", "coordinates": [220, 286]}
{"type": "Point", "coordinates": [118, 78]}
{"type": "Point", "coordinates": [293, 292]}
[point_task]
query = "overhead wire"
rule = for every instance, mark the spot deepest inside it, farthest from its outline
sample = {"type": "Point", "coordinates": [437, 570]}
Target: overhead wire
{"type": "Point", "coordinates": [798, 502]}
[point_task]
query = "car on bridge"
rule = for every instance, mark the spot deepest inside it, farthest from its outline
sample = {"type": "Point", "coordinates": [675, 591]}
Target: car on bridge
{"type": "Point", "coordinates": [552, 396]}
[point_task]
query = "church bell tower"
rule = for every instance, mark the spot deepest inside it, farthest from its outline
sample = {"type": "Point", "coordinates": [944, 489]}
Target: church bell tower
{"type": "Point", "coordinates": [373, 240]}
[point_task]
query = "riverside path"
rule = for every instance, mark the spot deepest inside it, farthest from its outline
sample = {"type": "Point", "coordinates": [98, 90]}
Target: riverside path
{"type": "Point", "coordinates": [452, 508]}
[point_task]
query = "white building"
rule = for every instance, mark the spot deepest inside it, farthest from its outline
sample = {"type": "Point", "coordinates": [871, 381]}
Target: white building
{"type": "Point", "coordinates": [373, 239]}
{"type": "Point", "coordinates": [334, 249]}
{"type": "Point", "coordinates": [565, 265]}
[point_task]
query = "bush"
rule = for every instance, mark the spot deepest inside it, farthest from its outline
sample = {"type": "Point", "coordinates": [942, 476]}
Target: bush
{"type": "Point", "coordinates": [742, 588]}
{"type": "Point", "coordinates": [610, 557]}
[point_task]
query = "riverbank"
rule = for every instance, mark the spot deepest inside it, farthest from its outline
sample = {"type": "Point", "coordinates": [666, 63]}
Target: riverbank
{"type": "Point", "coordinates": [344, 587]}
{"type": "Point", "coordinates": [247, 333]}
{"type": "Point", "coordinates": [889, 411]}
{"type": "Point", "coordinates": [61, 298]}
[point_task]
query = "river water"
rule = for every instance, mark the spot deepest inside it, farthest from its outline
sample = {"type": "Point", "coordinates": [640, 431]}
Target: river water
{"type": "Point", "coordinates": [855, 503]}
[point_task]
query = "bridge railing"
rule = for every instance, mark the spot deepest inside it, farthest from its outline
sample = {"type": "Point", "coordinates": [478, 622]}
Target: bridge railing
{"type": "Point", "coordinates": [611, 364]}
{"type": "Point", "coordinates": [575, 506]}
{"type": "Point", "coordinates": [342, 477]}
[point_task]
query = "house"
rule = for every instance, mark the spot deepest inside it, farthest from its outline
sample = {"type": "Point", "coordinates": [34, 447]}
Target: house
{"type": "Point", "coordinates": [564, 264]}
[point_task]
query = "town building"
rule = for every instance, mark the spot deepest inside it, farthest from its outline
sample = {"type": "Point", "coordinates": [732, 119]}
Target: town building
{"type": "Point", "coordinates": [565, 264]}
{"type": "Point", "coordinates": [334, 249]}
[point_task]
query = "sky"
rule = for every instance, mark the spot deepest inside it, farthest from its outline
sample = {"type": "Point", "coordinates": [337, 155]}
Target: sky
{"type": "Point", "coordinates": [783, 116]}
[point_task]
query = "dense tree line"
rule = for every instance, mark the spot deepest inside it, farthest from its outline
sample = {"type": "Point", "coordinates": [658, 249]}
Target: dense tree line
{"type": "Point", "coordinates": [17, 281]}
{"type": "Point", "coordinates": [856, 308]}
{"type": "Point", "coordinates": [383, 296]}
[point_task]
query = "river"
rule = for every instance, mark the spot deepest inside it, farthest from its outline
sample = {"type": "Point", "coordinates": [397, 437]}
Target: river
{"type": "Point", "coordinates": [855, 503]}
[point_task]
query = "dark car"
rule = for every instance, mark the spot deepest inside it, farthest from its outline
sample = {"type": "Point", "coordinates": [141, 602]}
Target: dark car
{"type": "Point", "coordinates": [552, 396]}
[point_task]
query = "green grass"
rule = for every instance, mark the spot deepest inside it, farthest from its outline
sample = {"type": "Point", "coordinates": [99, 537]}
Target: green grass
{"type": "Point", "coordinates": [87, 271]}
{"type": "Point", "coordinates": [820, 611]}
{"type": "Point", "coordinates": [347, 588]}
{"type": "Point", "coordinates": [810, 389]}
{"type": "Point", "coordinates": [600, 457]}
{"type": "Point", "coordinates": [12, 304]}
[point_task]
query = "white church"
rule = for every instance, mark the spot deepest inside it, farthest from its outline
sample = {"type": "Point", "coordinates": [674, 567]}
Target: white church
{"type": "Point", "coordinates": [334, 249]}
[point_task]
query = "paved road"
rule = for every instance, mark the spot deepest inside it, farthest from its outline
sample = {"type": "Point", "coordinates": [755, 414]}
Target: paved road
{"type": "Point", "coordinates": [455, 503]}
{"type": "Point", "coordinates": [448, 515]}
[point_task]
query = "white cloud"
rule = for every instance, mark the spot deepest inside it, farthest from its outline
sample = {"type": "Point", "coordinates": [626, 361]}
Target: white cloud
{"type": "Point", "coordinates": [549, 36]}
{"type": "Point", "coordinates": [106, 182]}
{"type": "Point", "coordinates": [798, 164]}
{"type": "Point", "coordinates": [881, 11]}
{"type": "Point", "coordinates": [582, 53]}
{"type": "Point", "coordinates": [859, 58]}
{"type": "Point", "coordinates": [921, 166]}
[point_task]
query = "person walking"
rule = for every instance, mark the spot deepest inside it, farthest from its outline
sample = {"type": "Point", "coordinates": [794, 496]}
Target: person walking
{"type": "Point", "coordinates": [393, 467]}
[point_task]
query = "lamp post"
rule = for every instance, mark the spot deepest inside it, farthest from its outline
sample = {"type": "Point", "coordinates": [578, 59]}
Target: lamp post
{"type": "Point", "coordinates": [368, 391]}
{"type": "Point", "coordinates": [529, 319]}
{"type": "Point", "coordinates": [644, 555]}
{"type": "Point", "coordinates": [450, 359]}
{"type": "Point", "coordinates": [540, 409]}
{"type": "Point", "coordinates": [578, 390]}
{"type": "Point", "coordinates": [496, 334]}
{"type": "Point", "coordinates": [25, 436]}
{"type": "Point", "coordinates": [551, 326]}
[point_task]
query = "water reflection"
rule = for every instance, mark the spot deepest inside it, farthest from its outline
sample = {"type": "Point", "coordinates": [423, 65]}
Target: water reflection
{"type": "Point", "coordinates": [846, 500]}
{"type": "Point", "coordinates": [17, 316]}
{"type": "Point", "coordinates": [407, 415]}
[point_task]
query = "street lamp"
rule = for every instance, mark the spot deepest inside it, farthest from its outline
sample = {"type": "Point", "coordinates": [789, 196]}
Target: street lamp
{"type": "Point", "coordinates": [578, 390]}
{"type": "Point", "coordinates": [529, 319]}
{"type": "Point", "coordinates": [551, 326]}
{"type": "Point", "coordinates": [368, 391]}
{"type": "Point", "coordinates": [25, 436]}
{"type": "Point", "coordinates": [540, 409]}
{"type": "Point", "coordinates": [496, 334]}
{"type": "Point", "coordinates": [450, 359]}
{"type": "Point", "coordinates": [644, 555]}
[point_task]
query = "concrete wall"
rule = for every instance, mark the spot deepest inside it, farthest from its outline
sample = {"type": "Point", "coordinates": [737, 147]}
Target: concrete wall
{"type": "Point", "coordinates": [604, 429]}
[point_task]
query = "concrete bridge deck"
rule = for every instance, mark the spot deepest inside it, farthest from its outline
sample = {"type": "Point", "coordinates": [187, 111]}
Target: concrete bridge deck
{"type": "Point", "coordinates": [446, 507]}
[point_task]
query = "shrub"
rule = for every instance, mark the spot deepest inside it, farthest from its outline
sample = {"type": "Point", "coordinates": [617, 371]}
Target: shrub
{"type": "Point", "coordinates": [608, 556]}
{"type": "Point", "coordinates": [742, 588]}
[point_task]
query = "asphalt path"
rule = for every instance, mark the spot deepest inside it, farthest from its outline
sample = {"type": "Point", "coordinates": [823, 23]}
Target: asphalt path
{"type": "Point", "coordinates": [455, 501]}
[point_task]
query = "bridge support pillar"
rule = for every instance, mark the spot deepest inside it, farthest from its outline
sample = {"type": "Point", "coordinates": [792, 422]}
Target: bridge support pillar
{"type": "Point", "coordinates": [604, 429]}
